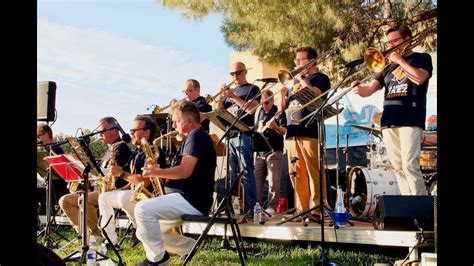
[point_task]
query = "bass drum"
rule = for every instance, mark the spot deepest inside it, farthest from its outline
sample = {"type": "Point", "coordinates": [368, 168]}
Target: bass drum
{"type": "Point", "coordinates": [365, 186]}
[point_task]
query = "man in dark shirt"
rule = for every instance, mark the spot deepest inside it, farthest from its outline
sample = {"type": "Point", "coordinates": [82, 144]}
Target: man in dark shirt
{"type": "Point", "coordinates": [143, 127]}
{"type": "Point", "coordinates": [69, 203]}
{"type": "Point", "coordinates": [193, 174]}
{"type": "Point", "coordinates": [270, 128]}
{"type": "Point", "coordinates": [192, 89]}
{"type": "Point", "coordinates": [302, 141]}
{"type": "Point", "coordinates": [242, 99]}
{"type": "Point", "coordinates": [403, 119]}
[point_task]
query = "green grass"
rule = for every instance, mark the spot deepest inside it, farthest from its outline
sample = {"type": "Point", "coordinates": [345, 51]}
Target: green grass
{"type": "Point", "coordinates": [259, 253]}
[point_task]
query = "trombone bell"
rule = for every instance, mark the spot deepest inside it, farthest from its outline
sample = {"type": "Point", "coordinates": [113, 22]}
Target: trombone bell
{"type": "Point", "coordinates": [374, 60]}
{"type": "Point", "coordinates": [284, 77]}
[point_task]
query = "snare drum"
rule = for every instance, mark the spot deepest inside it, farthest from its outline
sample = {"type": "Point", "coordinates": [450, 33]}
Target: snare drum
{"type": "Point", "coordinates": [365, 186]}
{"type": "Point", "coordinates": [428, 160]}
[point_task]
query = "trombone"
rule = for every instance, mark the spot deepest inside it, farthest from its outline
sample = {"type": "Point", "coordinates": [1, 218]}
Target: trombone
{"type": "Point", "coordinates": [374, 60]}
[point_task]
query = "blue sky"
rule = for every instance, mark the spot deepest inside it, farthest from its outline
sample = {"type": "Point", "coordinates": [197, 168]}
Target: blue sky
{"type": "Point", "coordinates": [118, 57]}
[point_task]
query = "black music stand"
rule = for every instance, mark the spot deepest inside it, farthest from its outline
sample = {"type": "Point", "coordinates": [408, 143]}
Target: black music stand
{"type": "Point", "coordinates": [226, 122]}
{"type": "Point", "coordinates": [224, 206]}
{"type": "Point", "coordinates": [45, 170]}
{"type": "Point", "coordinates": [81, 149]}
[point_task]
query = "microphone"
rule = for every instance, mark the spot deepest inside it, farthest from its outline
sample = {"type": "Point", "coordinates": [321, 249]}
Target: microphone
{"type": "Point", "coordinates": [125, 137]}
{"type": "Point", "coordinates": [268, 80]}
{"type": "Point", "coordinates": [357, 199]}
{"type": "Point", "coordinates": [354, 63]}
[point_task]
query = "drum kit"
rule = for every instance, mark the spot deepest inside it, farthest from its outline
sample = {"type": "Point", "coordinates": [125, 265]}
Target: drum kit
{"type": "Point", "coordinates": [366, 184]}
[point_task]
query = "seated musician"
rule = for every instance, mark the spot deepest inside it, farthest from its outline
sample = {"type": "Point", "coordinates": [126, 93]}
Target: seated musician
{"type": "Point", "coordinates": [121, 152]}
{"type": "Point", "coordinates": [193, 174]}
{"type": "Point", "coordinates": [143, 127]}
{"type": "Point", "coordinates": [44, 135]}
{"type": "Point", "coordinates": [269, 147]}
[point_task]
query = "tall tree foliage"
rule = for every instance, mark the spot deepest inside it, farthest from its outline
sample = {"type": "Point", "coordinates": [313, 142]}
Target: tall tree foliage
{"type": "Point", "coordinates": [273, 29]}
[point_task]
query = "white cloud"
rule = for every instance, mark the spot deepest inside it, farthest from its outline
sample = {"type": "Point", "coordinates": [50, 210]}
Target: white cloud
{"type": "Point", "coordinates": [100, 74]}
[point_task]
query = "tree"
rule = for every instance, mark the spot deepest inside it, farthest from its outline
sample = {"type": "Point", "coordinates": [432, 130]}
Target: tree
{"type": "Point", "coordinates": [273, 29]}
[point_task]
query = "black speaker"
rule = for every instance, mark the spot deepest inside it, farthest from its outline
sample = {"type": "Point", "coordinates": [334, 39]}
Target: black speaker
{"type": "Point", "coordinates": [398, 213]}
{"type": "Point", "coordinates": [45, 100]}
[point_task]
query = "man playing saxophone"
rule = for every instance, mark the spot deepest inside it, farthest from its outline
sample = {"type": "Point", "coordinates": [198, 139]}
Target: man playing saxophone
{"type": "Point", "coordinates": [192, 173]}
{"type": "Point", "coordinates": [143, 127]}
{"type": "Point", "coordinates": [120, 152]}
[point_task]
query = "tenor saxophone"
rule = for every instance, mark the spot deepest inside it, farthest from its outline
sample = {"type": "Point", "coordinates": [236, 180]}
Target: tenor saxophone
{"type": "Point", "coordinates": [141, 192]}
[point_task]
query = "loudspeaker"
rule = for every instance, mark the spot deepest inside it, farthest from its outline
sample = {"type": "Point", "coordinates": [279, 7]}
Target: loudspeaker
{"type": "Point", "coordinates": [45, 100]}
{"type": "Point", "coordinates": [398, 213]}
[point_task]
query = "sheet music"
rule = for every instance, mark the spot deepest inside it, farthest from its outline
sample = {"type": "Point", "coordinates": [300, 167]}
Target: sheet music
{"type": "Point", "coordinates": [222, 118]}
{"type": "Point", "coordinates": [305, 95]}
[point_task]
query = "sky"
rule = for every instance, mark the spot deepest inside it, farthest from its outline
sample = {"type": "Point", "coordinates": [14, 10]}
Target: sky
{"type": "Point", "coordinates": [118, 57]}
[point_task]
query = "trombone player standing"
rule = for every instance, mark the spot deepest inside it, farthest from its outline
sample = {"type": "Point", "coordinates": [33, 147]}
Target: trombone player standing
{"type": "Point", "coordinates": [403, 119]}
{"type": "Point", "coordinates": [302, 142]}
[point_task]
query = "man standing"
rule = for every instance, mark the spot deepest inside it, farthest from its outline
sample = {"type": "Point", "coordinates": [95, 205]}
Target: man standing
{"type": "Point", "coordinates": [242, 99]}
{"type": "Point", "coordinates": [403, 119]}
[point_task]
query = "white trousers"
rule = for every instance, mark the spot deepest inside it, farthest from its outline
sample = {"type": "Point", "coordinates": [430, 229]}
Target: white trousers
{"type": "Point", "coordinates": [403, 148]}
{"type": "Point", "coordinates": [118, 199]}
{"type": "Point", "coordinates": [155, 218]}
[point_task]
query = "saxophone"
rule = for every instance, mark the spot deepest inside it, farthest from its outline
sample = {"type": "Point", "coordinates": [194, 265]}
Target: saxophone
{"type": "Point", "coordinates": [107, 183]}
{"type": "Point", "coordinates": [140, 192]}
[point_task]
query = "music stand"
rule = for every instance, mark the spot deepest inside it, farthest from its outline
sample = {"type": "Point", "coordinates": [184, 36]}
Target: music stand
{"type": "Point", "coordinates": [45, 170]}
{"type": "Point", "coordinates": [85, 157]}
{"type": "Point", "coordinates": [224, 206]}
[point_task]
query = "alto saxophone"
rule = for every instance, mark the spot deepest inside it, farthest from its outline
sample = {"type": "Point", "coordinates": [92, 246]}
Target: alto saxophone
{"type": "Point", "coordinates": [107, 183]}
{"type": "Point", "coordinates": [141, 192]}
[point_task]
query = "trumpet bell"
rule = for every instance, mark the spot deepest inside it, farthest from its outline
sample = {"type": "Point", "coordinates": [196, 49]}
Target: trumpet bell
{"type": "Point", "coordinates": [374, 60]}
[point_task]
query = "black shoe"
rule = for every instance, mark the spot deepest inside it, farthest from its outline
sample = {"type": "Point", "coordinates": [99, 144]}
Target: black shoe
{"type": "Point", "coordinates": [109, 247]}
{"type": "Point", "coordinates": [164, 261]}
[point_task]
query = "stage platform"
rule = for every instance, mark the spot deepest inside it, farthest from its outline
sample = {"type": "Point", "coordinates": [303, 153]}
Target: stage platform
{"type": "Point", "coordinates": [362, 233]}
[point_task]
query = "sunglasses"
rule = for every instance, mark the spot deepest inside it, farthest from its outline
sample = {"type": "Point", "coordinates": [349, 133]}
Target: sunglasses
{"type": "Point", "coordinates": [266, 102]}
{"type": "Point", "coordinates": [236, 73]}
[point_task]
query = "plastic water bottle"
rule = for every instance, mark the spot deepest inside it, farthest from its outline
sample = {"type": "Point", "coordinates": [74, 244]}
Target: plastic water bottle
{"type": "Point", "coordinates": [339, 202]}
{"type": "Point", "coordinates": [257, 213]}
{"type": "Point", "coordinates": [103, 249]}
{"type": "Point", "coordinates": [236, 205]}
{"type": "Point", "coordinates": [91, 254]}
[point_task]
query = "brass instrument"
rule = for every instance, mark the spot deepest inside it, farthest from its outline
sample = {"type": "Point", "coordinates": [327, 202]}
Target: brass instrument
{"type": "Point", "coordinates": [107, 183]}
{"type": "Point", "coordinates": [375, 59]}
{"type": "Point", "coordinates": [214, 98]}
{"type": "Point", "coordinates": [285, 77]}
{"type": "Point", "coordinates": [140, 191]}
{"type": "Point", "coordinates": [169, 134]}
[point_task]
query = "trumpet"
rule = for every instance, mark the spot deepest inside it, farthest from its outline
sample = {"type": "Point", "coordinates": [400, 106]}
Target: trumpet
{"type": "Point", "coordinates": [214, 98]}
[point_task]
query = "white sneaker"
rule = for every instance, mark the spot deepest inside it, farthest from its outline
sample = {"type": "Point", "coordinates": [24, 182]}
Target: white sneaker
{"type": "Point", "coordinates": [270, 211]}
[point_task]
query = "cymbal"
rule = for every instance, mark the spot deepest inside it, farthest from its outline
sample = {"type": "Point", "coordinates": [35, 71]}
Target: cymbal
{"type": "Point", "coordinates": [372, 130]}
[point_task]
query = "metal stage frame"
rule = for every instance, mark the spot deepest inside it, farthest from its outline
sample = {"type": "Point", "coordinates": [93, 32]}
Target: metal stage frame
{"type": "Point", "coordinates": [362, 233]}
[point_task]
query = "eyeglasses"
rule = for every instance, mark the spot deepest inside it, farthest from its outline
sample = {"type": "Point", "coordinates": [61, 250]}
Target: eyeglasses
{"type": "Point", "coordinates": [186, 91]}
{"type": "Point", "coordinates": [133, 130]}
{"type": "Point", "coordinates": [236, 73]}
{"type": "Point", "coordinates": [393, 41]}
{"type": "Point", "coordinates": [297, 60]}
{"type": "Point", "coordinates": [266, 102]}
